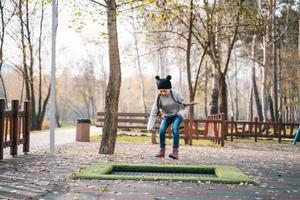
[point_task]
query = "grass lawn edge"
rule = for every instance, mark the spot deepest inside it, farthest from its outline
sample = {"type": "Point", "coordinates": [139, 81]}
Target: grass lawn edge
{"type": "Point", "coordinates": [225, 174]}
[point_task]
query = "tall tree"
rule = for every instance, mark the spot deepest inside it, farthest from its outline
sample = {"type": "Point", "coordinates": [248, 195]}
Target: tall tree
{"type": "Point", "coordinates": [6, 16]}
{"type": "Point", "coordinates": [27, 13]}
{"type": "Point", "coordinates": [274, 53]}
{"type": "Point", "coordinates": [206, 90]}
{"type": "Point", "coordinates": [265, 12]}
{"type": "Point", "coordinates": [253, 79]}
{"type": "Point", "coordinates": [215, 17]}
{"type": "Point", "coordinates": [109, 133]}
{"type": "Point", "coordinates": [236, 89]}
{"type": "Point", "coordinates": [138, 64]}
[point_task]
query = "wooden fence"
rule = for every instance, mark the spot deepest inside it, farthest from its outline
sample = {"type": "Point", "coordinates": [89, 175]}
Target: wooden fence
{"type": "Point", "coordinates": [14, 127]}
{"type": "Point", "coordinates": [214, 128]}
{"type": "Point", "coordinates": [256, 129]}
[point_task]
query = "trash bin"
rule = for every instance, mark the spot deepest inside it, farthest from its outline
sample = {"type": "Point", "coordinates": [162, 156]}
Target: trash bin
{"type": "Point", "coordinates": [83, 130]}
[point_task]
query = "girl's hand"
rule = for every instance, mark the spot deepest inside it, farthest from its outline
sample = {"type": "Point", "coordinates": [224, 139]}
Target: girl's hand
{"type": "Point", "coordinates": [191, 103]}
{"type": "Point", "coordinates": [152, 130]}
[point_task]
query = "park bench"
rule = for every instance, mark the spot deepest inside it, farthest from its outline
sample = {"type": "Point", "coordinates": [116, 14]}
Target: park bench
{"type": "Point", "coordinates": [188, 131]}
{"type": "Point", "coordinates": [127, 121]}
{"type": "Point", "coordinates": [138, 121]}
{"type": "Point", "coordinates": [214, 128]}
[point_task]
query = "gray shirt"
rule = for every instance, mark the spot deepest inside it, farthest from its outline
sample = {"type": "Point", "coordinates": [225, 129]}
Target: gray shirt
{"type": "Point", "coordinates": [168, 106]}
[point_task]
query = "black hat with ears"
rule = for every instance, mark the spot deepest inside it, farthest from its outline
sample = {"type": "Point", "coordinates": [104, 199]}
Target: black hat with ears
{"type": "Point", "coordinates": [163, 83]}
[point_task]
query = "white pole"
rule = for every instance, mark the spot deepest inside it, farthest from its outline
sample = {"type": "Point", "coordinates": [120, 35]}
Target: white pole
{"type": "Point", "coordinates": [53, 81]}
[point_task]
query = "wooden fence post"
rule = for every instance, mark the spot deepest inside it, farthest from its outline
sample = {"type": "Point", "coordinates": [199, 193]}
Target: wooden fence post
{"type": "Point", "coordinates": [26, 127]}
{"type": "Point", "coordinates": [223, 125]}
{"type": "Point", "coordinates": [153, 136]}
{"type": "Point", "coordinates": [186, 131]}
{"type": "Point", "coordinates": [291, 130]}
{"type": "Point", "coordinates": [191, 119]}
{"type": "Point", "coordinates": [279, 128]}
{"type": "Point", "coordinates": [231, 129]}
{"type": "Point", "coordinates": [169, 132]}
{"type": "Point", "coordinates": [2, 110]}
{"type": "Point", "coordinates": [255, 129]}
{"type": "Point", "coordinates": [14, 128]}
{"type": "Point", "coordinates": [196, 125]}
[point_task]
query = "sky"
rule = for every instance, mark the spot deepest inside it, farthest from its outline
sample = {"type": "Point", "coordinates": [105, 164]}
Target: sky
{"type": "Point", "coordinates": [74, 48]}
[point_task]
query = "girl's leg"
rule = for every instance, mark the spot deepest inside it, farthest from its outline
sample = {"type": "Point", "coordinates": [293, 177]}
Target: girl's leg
{"type": "Point", "coordinates": [175, 131]}
{"type": "Point", "coordinates": [163, 129]}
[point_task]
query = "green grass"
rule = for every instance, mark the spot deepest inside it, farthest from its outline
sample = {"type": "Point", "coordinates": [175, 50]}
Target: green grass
{"type": "Point", "coordinates": [225, 174]}
{"type": "Point", "coordinates": [259, 140]}
{"type": "Point", "coordinates": [144, 139]}
{"type": "Point", "coordinates": [147, 140]}
{"type": "Point", "coordinates": [270, 132]}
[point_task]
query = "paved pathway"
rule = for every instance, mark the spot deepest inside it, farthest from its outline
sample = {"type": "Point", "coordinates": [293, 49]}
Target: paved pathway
{"type": "Point", "coordinates": [39, 175]}
{"type": "Point", "coordinates": [40, 140]}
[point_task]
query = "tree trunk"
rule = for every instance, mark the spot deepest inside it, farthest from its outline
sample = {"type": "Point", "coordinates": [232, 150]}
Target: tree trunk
{"type": "Point", "coordinates": [35, 120]}
{"type": "Point", "coordinates": [280, 85]}
{"type": "Point", "coordinates": [2, 36]}
{"type": "Point", "coordinates": [180, 76]}
{"type": "Point", "coordinates": [236, 90]}
{"type": "Point", "coordinates": [256, 96]}
{"type": "Point", "coordinates": [157, 56]}
{"type": "Point", "coordinates": [223, 95]}
{"type": "Point", "coordinates": [231, 99]}
{"type": "Point", "coordinates": [40, 61]}
{"type": "Point", "coordinates": [215, 93]}
{"type": "Point", "coordinates": [254, 86]}
{"type": "Point", "coordinates": [265, 75]}
{"type": "Point", "coordinates": [4, 88]}
{"type": "Point", "coordinates": [266, 61]}
{"type": "Point", "coordinates": [286, 118]}
{"type": "Point", "coordinates": [214, 51]}
{"type": "Point", "coordinates": [142, 87]}
{"type": "Point", "coordinates": [299, 45]}
{"type": "Point", "coordinates": [188, 58]}
{"type": "Point", "coordinates": [271, 108]}
{"type": "Point", "coordinates": [103, 85]}
{"type": "Point", "coordinates": [23, 48]}
{"type": "Point", "coordinates": [292, 109]}
{"type": "Point", "coordinates": [249, 102]}
{"type": "Point", "coordinates": [162, 61]}
{"type": "Point", "coordinates": [205, 90]}
{"type": "Point", "coordinates": [274, 52]}
{"type": "Point", "coordinates": [44, 107]}
{"type": "Point", "coordinates": [250, 105]}
{"type": "Point", "coordinates": [109, 133]}
{"type": "Point", "coordinates": [57, 116]}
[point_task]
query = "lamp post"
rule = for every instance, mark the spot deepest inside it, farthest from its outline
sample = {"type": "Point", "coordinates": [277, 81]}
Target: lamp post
{"type": "Point", "coordinates": [53, 79]}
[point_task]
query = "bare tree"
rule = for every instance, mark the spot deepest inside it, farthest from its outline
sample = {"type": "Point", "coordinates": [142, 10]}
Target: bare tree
{"type": "Point", "coordinates": [266, 59]}
{"type": "Point", "coordinates": [206, 90]}
{"type": "Point", "coordinates": [6, 16]}
{"type": "Point", "coordinates": [109, 133]}
{"type": "Point", "coordinates": [138, 63]}
{"type": "Point", "coordinates": [38, 99]}
{"type": "Point", "coordinates": [214, 40]}
{"type": "Point", "coordinates": [254, 85]}
{"type": "Point", "coordinates": [274, 52]}
{"type": "Point", "coordinates": [236, 89]}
